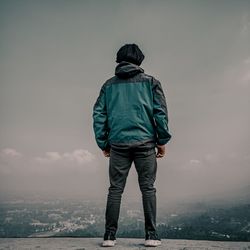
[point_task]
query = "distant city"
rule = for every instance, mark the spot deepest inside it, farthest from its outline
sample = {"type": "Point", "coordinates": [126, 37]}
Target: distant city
{"type": "Point", "coordinates": [59, 218]}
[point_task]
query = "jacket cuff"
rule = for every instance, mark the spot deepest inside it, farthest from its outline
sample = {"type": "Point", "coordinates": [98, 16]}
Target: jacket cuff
{"type": "Point", "coordinates": [105, 146]}
{"type": "Point", "coordinates": [163, 141]}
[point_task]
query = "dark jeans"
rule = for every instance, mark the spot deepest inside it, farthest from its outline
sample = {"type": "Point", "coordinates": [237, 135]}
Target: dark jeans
{"type": "Point", "coordinates": [119, 165]}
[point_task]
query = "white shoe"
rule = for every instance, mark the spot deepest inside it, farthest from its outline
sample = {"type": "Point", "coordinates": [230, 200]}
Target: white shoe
{"type": "Point", "coordinates": [109, 243]}
{"type": "Point", "coordinates": [152, 243]}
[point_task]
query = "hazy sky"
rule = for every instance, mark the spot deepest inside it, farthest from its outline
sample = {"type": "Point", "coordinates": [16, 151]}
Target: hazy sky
{"type": "Point", "coordinates": [55, 56]}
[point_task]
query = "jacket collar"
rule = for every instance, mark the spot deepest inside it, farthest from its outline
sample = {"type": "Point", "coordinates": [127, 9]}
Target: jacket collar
{"type": "Point", "coordinates": [127, 69]}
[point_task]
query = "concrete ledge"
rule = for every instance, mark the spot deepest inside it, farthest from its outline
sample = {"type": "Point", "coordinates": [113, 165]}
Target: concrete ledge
{"type": "Point", "coordinates": [122, 244]}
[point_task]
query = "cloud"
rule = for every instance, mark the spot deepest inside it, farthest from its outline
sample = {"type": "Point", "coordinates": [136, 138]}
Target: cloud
{"type": "Point", "coordinates": [9, 157]}
{"type": "Point", "coordinates": [10, 152]}
{"type": "Point", "coordinates": [195, 162]}
{"type": "Point", "coordinates": [246, 77]}
{"type": "Point", "coordinates": [80, 156]}
{"type": "Point", "coordinates": [245, 24]}
{"type": "Point", "coordinates": [247, 61]}
{"type": "Point", "coordinates": [49, 157]}
{"type": "Point", "coordinates": [237, 75]}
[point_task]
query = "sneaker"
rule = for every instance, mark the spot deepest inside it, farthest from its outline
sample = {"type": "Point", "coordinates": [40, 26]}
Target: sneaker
{"type": "Point", "coordinates": [109, 240]}
{"type": "Point", "coordinates": [152, 243]}
{"type": "Point", "coordinates": [108, 243]}
{"type": "Point", "coordinates": [152, 240]}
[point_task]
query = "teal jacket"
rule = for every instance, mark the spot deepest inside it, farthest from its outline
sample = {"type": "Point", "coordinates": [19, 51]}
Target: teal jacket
{"type": "Point", "coordinates": [131, 109]}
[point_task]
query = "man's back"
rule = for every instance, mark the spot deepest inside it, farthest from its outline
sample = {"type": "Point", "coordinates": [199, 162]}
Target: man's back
{"type": "Point", "coordinates": [130, 107]}
{"type": "Point", "coordinates": [135, 109]}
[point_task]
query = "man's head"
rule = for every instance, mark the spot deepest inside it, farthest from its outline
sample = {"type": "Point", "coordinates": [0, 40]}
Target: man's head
{"type": "Point", "coordinates": [130, 53]}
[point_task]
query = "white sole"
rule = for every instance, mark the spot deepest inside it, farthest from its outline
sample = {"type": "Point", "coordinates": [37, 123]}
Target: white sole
{"type": "Point", "coordinates": [109, 243]}
{"type": "Point", "coordinates": [152, 243]}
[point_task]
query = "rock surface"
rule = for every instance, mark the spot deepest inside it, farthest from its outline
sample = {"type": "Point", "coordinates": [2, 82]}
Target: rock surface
{"type": "Point", "coordinates": [122, 244]}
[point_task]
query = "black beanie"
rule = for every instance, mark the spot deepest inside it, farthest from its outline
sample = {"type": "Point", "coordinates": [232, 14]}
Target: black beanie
{"type": "Point", "coordinates": [130, 53]}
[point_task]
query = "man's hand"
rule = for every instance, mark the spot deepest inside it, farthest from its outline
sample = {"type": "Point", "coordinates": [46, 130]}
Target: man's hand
{"type": "Point", "coordinates": [106, 152]}
{"type": "Point", "coordinates": [161, 149]}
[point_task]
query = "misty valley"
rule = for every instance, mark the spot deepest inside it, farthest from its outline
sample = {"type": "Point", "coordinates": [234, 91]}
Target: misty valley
{"type": "Point", "coordinates": [72, 218]}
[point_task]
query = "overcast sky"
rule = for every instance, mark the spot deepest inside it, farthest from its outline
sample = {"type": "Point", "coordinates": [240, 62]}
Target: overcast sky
{"type": "Point", "coordinates": [55, 56]}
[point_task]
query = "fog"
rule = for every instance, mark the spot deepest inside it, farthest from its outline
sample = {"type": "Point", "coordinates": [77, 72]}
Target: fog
{"type": "Point", "coordinates": [55, 56]}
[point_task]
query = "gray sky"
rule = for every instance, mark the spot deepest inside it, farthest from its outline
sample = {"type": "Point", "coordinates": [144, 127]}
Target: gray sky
{"type": "Point", "coordinates": [54, 57]}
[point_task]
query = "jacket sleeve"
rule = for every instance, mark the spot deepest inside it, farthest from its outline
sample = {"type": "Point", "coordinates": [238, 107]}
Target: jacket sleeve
{"type": "Point", "coordinates": [100, 120]}
{"type": "Point", "coordinates": [160, 113]}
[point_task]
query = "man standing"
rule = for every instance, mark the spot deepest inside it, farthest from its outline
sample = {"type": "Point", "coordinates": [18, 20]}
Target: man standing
{"type": "Point", "coordinates": [130, 120]}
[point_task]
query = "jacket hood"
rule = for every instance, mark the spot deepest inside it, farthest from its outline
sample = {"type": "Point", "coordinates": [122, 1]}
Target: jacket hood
{"type": "Point", "coordinates": [126, 70]}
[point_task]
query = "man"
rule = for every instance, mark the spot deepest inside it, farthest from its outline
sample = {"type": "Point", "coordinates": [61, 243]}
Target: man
{"type": "Point", "coordinates": [130, 120]}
